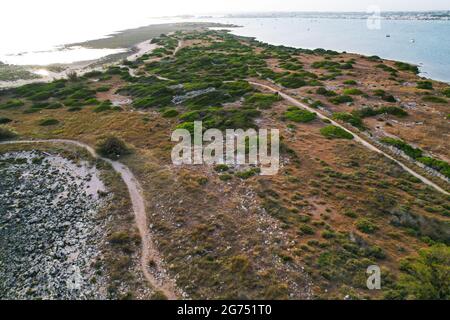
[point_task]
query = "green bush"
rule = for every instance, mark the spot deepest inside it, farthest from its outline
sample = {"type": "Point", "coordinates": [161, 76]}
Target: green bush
{"type": "Point", "coordinates": [389, 98]}
{"type": "Point", "coordinates": [112, 147]}
{"type": "Point", "coordinates": [414, 153]}
{"type": "Point", "coordinates": [55, 105]}
{"type": "Point", "coordinates": [106, 106]}
{"type": "Point", "coordinates": [292, 81]}
{"type": "Point", "coordinates": [7, 133]}
{"type": "Point", "coordinates": [353, 92]}
{"type": "Point", "coordinates": [261, 100]}
{"type": "Point", "coordinates": [374, 58]}
{"type": "Point", "coordinates": [341, 99]}
{"type": "Point", "coordinates": [221, 168]}
{"type": "Point", "coordinates": [352, 119]}
{"type": "Point", "coordinates": [350, 82]}
{"type": "Point", "coordinates": [366, 226]}
{"type": "Point", "coordinates": [103, 89]}
{"type": "Point", "coordinates": [171, 113]}
{"type": "Point", "coordinates": [15, 103]}
{"type": "Point", "coordinates": [325, 64]}
{"type": "Point", "coordinates": [299, 115]}
{"type": "Point", "coordinates": [48, 122]}
{"type": "Point", "coordinates": [407, 67]}
{"type": "Point", "coordinates": [425, 277]}
{"type": "Point", "coordinates": [4, 120]}
{"type": "Point", "coordinates": [379, 93]}
{"type": "Point", "coordinates": [434, 99]}
{"type": "Point", "coordinates": [439, 165]}
{"type": "Point", "coordinates": [446, 92]}
{"type": "Point", "coordinates": [248, 173]}
{"type": "Point", "coordinates": [324, 92]}
{"type": "Point", "coordinates": [306, 230]}
{"type": "Point", "coordinates": [225, 177]}
{"type": "Point", "coordinates": [333, 132]}
{"type": "Point", "coordinates": [426, 85]}
{"type": "Point", "coordinates": [371, 112]}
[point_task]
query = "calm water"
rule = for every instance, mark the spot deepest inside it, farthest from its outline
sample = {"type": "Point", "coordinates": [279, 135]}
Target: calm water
{"type": "Point", "coordinates": [430, 49]}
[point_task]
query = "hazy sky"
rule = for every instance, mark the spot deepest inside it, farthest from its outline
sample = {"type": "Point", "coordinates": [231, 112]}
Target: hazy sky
{"type": "Point", "coordinates": [173, 7]}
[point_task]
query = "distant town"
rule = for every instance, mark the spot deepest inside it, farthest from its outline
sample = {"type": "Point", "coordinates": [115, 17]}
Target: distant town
{"type": "Point", "coordinates": [423, 15]}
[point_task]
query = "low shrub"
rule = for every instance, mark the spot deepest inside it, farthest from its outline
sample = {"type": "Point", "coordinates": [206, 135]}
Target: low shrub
{"type": "Point", "coordinates": [221, 168]}
{"type": "Point", "coordinates": [387, 68]}
{"type": "Point", "coordinates": [374, 58]}
{"type": "Point", "coordinates": [341, 99]}
{"type": "Point", "coordinates": [366, 226]}
{"type": "Point", "coordinates": [112, 147]}
{"type": "Point", "coordinates": [248, 173]}
{"type": "Point", "coordinates": [15, 103]}
{"type": "Point", "coordinates": [333, 132]}
{"type": "Point", "coordinates": [371, 112]}
{"type": "Point", "coordinates": [261, 100]}
{"type": "Point", "coordinates": [324, 92]}
{"type": "Point", "coordinates": [407, 67]}
{"type": "Point", "coordinates": [171, 113]}
{"type": "Point", "coordinates": [414, 153]}
{"type": "Point", "coordinates": [424, 277]}
{"type": "Point", "coordinates": [306, 230]}
{"type": "Point", "coordinates": [353, 92]}
{"type": "Point", "coordinates": [103, 89]}
{"type": "Point", "coordinates": [446, 92]}
{"type": "Point", "coordinates": [104, 106]}
{"type": "Point", "coordinates": [299, 115]}
{"type": "Point", "coordinates": [439, 165]}
{"type": "Point", "coordinates": [7, 133]}
{"type": "Point", "coordinates": [48, 122]}
{"type": "Point", "coordinates": [352, 119]}
{"type": "Point", "coordinates": [350, 82]}
{"type": "Point", "coordinates": [434, 99]}
{"type": "Point", "coordinates": [426, 85]}
{"type": "Point", "coordinates": [4, 120]}
{"type": "Point", "coordinates": [292, 81]}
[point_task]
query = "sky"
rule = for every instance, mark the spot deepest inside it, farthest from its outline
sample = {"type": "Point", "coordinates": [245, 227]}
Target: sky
{"type": "Point", "coordinates": [175, 7]}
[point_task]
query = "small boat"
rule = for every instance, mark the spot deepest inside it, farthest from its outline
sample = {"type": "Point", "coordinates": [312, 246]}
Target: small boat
{"type": "Point", "coordinates": [388, 36]}
{"type": "Point", "coordinates": [412, 41]}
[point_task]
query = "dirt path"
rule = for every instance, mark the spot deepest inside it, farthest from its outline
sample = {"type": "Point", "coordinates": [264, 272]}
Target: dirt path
{"type": "Point", "coordinates": [357, 138]}
{"type": "Point", "coordinates": [158, 279]}
{"type": "Point", "coordinates": [178, 48]}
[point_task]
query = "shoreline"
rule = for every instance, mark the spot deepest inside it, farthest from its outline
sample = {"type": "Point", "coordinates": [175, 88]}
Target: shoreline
{"type": "Point", "coordinates": [127, 40]}
{"type": "Point", "coordinates": [132, 41]}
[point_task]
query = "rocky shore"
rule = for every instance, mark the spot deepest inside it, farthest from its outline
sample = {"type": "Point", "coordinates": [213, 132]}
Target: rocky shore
{"type": "Point", "coordinates": [50, 232]}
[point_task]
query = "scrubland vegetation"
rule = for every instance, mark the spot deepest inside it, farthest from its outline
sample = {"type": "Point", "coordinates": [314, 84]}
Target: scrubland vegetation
{"type": "Point", "coordinates": [334, 209]}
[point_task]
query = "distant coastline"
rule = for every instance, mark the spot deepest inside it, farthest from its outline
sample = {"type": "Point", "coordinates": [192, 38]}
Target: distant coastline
{"type": "Point", "coordinates": [387, 15]}
{"type": "Point", "coordinates": [124, 42]}
{"type": "Point", "coordinates": [343, 31]}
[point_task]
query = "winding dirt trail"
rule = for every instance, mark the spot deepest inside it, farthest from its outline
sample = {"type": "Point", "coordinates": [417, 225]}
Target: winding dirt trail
{"type": "Point", "coordinates": [357, 138]}
{"type": "Point", "coordinates": [158, 279]}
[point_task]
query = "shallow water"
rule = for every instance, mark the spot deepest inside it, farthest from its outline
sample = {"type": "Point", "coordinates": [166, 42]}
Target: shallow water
{"type": "Point", "coordinates": [59, 56]}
